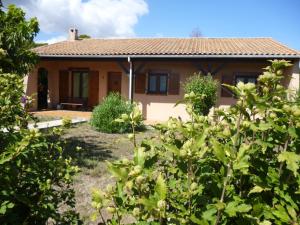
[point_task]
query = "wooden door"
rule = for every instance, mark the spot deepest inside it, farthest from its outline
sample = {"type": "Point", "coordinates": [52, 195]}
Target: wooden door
{"type": "Point", "coordinates": [42, 88]}
{"type": "Point", "coordinates": [93, 99]}
{"type": "Point", "coordinates": [114, 82]}
{"type": "Point", "coordinates": [63, 85]}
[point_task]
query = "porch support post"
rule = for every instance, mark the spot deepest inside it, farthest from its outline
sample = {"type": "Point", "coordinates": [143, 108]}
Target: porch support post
{"type": "Point", "coordinates": [131, 75]}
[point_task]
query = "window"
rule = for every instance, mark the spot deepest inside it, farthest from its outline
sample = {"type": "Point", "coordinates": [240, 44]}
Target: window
{"type": "Point", "coordinates": [158, 83]}
{"type": "Point", "coordinates": [246, 79]}
{"type": "Point", "coordinates": [80, 84]}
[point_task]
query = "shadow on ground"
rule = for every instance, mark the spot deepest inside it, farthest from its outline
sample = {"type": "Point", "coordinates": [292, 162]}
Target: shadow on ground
{"type": "Point", "coordinates": [84, 152]}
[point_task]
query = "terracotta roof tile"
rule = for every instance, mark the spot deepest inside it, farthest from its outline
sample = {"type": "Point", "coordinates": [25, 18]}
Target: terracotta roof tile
{"type": "Point", "coordinates": [168, 46]}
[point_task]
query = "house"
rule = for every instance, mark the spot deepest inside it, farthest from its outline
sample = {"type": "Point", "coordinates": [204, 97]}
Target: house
{"type": "Point", "coordinates": [150, 71]}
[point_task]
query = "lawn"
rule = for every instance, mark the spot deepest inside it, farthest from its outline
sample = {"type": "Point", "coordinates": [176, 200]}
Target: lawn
{"type": "Point", "coordinates": [96, 149]}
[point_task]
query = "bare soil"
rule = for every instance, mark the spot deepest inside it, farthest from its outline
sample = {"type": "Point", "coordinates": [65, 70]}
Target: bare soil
{"type": "Point", "coordinates": [96, 147]}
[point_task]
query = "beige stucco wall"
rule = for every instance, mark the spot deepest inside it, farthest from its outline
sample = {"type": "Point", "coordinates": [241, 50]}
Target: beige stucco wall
{"type": "Point", "coordinates": [294, 81]}
{"type": "Point", "coordinates": [154, 107]}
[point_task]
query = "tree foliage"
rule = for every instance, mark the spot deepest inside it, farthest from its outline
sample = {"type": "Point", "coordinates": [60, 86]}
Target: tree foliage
{"type": "Point", "coordinates": [16, 39]}
{"type": "Point", "coordinates": [35, 177]}
{"type": "Point", "coordinates": [205, 87]}
{"type": "Point", "coordinates": [84, 36]}
{"type": "Point", "coordinates": [239, 167]}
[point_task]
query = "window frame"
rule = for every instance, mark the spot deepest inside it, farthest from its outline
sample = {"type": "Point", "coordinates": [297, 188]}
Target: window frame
{"type": "Point", "coordinates": [158, 75]}
{"type": "Point", "coordinates": [246, 76]}
{"type": "Point", "coordinates": [81, 74]}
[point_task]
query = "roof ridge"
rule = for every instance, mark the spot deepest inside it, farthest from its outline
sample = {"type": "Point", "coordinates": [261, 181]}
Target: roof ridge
{"type": "Point", "coordinates": [185, 38]}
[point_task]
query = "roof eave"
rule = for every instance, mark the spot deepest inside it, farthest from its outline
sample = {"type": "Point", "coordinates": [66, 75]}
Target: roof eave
{"type": "Point", "coordinates": [266, 56]}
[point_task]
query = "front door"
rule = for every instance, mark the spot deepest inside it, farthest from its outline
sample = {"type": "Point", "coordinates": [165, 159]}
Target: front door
{"type": "Point", "coordinates": [42, 88]}
{"type": "Point", "coordinates": [114, 82]}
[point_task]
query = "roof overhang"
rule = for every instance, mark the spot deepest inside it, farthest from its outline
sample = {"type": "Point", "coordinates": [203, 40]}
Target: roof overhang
{"type": "Point", "coordinates": [267, 56]}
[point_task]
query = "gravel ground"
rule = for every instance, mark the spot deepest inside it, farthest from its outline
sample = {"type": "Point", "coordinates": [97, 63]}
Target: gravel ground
{"type": "Point", "coordinates": [96, 147]}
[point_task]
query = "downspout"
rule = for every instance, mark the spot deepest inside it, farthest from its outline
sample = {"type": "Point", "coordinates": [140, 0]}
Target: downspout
{"type": "Point", "coordinates": [130, 91]}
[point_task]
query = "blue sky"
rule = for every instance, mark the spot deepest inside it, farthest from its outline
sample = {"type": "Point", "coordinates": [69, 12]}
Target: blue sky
{"type": "Point", "coordinates": [279, 19]}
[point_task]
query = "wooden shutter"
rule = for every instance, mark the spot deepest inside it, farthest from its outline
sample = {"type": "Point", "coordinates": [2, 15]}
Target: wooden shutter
{"type": "Point", "coordinates": [63, 85]}
{"type": "Point", "coordinates": [174, 84]}
{"type": "Point", "coordinates": [227, 79]}
{"type": "Point", "coordinates": [93, 88]}
{"type": "Point", "coordinates": [140, 83]}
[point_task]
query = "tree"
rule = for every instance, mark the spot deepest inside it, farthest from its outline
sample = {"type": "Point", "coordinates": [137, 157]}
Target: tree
{"type": "Point", "coordinates": [84, 36]}
{"type": "Point", "coordinates": [196, 32]}
{"type": "Point", "coordinates": [17, 39]}
{"type": "Point", "coordinates": [35, 173]}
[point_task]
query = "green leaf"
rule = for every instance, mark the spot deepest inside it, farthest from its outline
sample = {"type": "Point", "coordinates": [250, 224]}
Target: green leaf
{"type": "Point", "coordinates": [195, 220]}
{"type": "Point", "coordinates": [209, 214]}
{"type": "Point", "coordinates": [172, 148]}
{"type": "Point", "coordinates": [242, 161]}
{"type": "Point", "coordinates": [149, 203]}
{"type": "Point", "coordinates": [265, 222]}
{"type": "Point", "coordinates": [292, 161]}
{"type": "Point", "coordinates": [161, 187]}
{"type": "Point", "coordinates": [219, 151]}
{"type": "Point", "coordinates": [292, 132]}
{"type": "Point", "coordinates": [139, 156]}
{"type": "Point", "coordinates": [117, 171]}
{"type": "Point", "coordinates": [281, 214]}
{"type": "Point", "coordinates": [233, 208]}
{"type": "Point", "coordinates": [255, 189]}
{"type": "Point", "coordinates": [292, 212]}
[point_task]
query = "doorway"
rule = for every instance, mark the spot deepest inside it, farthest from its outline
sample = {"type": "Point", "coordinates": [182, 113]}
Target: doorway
{"type": "Point", "coordinates": [114, 82]}
{"type": "Point", "coordinates": [42, 88]}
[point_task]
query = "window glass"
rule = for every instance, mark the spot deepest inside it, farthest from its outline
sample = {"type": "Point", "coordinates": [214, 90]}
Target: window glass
{"type": "Point", "coordinates": [240, 79]}
{"type": "Point", "coordinates": [152, 83]}
{"type": "Point", "coordinates": [251, 80]}
{"type": "Point", "coordinates": [85, 85]}
{"type": "Point", "coordinates": [76, 84]}
{"type": "Point", "coordinates": [163, 84]}
{"type": "Point", "coordinates": [246, 79]}
{"type": "Point", "coordinates": [158, 83]}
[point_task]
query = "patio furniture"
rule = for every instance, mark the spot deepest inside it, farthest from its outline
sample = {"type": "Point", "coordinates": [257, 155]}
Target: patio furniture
{"type": "Point", "coordinates": [74, 103]}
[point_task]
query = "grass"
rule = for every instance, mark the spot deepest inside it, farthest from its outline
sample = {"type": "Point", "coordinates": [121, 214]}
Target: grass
{"type": "Point", "coordinates": [96, 148]}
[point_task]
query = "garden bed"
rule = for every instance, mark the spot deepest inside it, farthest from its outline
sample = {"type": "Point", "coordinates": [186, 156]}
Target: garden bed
{"type": "Point", "coordinates": [96, 147]}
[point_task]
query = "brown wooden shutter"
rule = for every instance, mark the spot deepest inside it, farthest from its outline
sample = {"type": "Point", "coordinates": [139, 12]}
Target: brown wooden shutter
{"type": "Point", "coordinates": [93, 99]}
{"type": "Point", "coordinates": [63, 85]}
{"type": "Point", "coordinates": [140, 83]}
{"type": "Point", "coordinates": [227, 79]}
{"type": "Point", "coordinates": [174, 84]}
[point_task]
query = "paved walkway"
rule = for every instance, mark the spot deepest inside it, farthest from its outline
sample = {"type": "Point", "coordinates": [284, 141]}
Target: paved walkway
{"type": "Point", "coordinates": [63, 113]}
{"type": "Point", "coordinates": [54, 123]}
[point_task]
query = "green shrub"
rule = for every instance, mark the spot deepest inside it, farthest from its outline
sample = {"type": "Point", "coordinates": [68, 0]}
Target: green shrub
{"type": "Point", "coordinates": [204, 86]}
{"type": "Point", "coordinates": [297, 98]}
{"type": "Point", "coordinates": [238, 167]}
{"type": "Point", "coordinates": [35, 177]}
{"type": "Point", "coordinates": [67, 122]}
{"type": "Point", "coordinates": [112, 107]}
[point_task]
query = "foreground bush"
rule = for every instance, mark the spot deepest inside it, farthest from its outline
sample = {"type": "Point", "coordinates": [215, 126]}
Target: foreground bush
{"type": "Point", "coordinates": [206, 88]}
{"type": "Point", "coordinates": [35, 178]}
{"type": "Point", "coordinates": [240, 167]}
{"type": "Point", "coordinates": [112, 107]}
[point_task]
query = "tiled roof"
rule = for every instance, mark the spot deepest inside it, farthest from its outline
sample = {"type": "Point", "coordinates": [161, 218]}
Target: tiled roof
{"type": "Point", "coordinates": [235, 47]}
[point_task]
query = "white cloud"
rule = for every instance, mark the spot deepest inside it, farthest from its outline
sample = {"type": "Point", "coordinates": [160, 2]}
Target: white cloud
{"type": "Point", "coordinates": [97, 18]}
{"type": "Point", "coordinates": [54, 39]}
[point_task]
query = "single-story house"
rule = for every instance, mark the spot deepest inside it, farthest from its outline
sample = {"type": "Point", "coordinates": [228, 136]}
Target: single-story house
{"type": "Point", "coordinates": [150, 71]}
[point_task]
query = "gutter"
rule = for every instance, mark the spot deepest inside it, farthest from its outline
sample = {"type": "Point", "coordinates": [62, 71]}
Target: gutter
{"type": "Point", "coordinates": [174, 56]}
